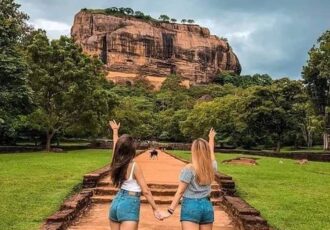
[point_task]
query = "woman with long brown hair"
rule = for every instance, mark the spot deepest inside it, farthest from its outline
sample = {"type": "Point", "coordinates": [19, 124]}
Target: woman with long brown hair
{"type": "Point", "coordinates": [195, 186]}
{"type": "Point", "coordinates": [127, 175]}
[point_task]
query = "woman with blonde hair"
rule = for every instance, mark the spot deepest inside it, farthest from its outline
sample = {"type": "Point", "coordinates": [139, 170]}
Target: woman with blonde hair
{"type": "Point", "coordinates": [195, 187]}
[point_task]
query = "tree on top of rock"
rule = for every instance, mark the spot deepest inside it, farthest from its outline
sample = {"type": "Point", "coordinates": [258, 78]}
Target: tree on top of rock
{"type": "Point", "coordinates": [190, 21]}
{"type": "Point", "coordinates": [173, 20]}
{"type": "Point", "coordinates": [164, 18]}
{"type": "Point", "coordinates": [129, 11]}
{"type": "Point", "coordinates": [183, 21]}
{"type": "Point", "coordinates": [122, 10]}
{"type": "Point", "coordinates": [139, 14]}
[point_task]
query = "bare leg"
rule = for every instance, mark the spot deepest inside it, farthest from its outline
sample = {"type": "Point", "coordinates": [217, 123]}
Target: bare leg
{"type": "Point", "coordinates": [129, 225]}
{"type": "Point", "coordinates": [206, 226]}
{"type": "Point", "coordinates": [187, 225]}
{"type": "Point", "coordinates": [114, 225]}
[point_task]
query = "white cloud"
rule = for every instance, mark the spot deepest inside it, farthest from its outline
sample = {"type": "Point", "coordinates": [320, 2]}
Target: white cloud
{"type": "Point", "coordinates": [54, 28]}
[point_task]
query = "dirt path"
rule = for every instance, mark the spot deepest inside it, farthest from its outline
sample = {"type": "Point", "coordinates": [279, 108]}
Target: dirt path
{"type": "Point", "coordinates": [162, 176]}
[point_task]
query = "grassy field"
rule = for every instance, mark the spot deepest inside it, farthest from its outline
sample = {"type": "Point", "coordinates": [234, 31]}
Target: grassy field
{"type": "Point", "coordinates": [33, 185]}
{"type": "Point", "coordinates": [289, 196]}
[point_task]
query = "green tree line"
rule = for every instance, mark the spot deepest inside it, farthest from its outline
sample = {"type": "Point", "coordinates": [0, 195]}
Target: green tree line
{"type": "Point", "coordinates": [50, 88]}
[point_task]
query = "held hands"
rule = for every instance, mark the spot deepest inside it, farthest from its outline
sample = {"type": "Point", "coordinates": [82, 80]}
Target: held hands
{"type": "Point", "coordinates": [158, 214]}
{"type": "Point", "coordinates": [113, 124]}
{"type": "Point", "coordinates": [161, 215]}
{"type": "Point", "coordinates": [212, 134]}
{"type": "Point", "coordinates": [166, 214]}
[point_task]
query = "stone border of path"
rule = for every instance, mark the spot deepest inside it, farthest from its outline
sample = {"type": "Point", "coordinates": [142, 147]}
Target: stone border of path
{"type": "Point", "coordinates": [245, 216]}
{"type": "Point", "coordinates": [76, 204]}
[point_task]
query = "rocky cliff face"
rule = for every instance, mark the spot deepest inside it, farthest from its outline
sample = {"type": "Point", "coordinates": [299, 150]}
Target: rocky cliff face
{"type": "Point", "coordinates": [132, 47]}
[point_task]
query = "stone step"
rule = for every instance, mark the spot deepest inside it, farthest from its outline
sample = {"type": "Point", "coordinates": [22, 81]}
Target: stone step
{"type": "Point", "coordinates": [107, 190]}
{"type": "Point", "coordinates": [104, 183]}
{"type": "Point", "coordinates": [158, 199]}
{"type": "Point", "coordinates": [229, 184]}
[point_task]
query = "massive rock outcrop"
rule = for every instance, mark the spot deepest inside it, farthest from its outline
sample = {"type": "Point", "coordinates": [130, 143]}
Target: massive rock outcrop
{"type": "Point", "coordinates": [132, 47]}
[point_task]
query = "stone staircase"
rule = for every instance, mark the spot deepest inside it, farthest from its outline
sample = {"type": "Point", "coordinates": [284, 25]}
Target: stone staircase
{"type": "Point", "coordinates": [162, 193]}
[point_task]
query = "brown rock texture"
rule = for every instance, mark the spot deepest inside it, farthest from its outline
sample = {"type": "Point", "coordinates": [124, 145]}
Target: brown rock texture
{"type": "Point", "coordinates": [132, 47]}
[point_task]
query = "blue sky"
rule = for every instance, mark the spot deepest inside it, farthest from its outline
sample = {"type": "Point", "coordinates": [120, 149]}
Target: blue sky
{"type": "Point", "coordinates": [268, 36]}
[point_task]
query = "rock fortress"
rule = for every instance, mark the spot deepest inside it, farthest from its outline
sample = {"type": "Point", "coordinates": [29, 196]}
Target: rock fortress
{"type": "Point", "coordinates": [132, 48]}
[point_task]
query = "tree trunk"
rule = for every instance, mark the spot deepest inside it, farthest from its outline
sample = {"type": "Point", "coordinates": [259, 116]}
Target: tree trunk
{"type": "Point", "coordinates": [326, 141]}
{"type": "Point", "coordinates": [49, 140]}
{"type": "Point", "coordinates": [278, 146]}
{"type": "Point", "coordinates": [308, 139]}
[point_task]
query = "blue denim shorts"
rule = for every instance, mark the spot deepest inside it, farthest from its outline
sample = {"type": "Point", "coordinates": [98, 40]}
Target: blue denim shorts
{"type": "Point", "coordinates": [197, 210]}
{"type": "Point", "coordinates": [125, 207]}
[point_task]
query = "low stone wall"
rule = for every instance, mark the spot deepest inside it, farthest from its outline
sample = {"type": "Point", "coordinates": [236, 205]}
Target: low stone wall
{"type": "Point", "coordinates": [70, 209]}
{"type": "Point", "coordinates": [90, 180]}
{"type": "Point", "coordinates": [17, 149]}
{"type": "Point", "coordinates": [76, 204]}
{"type": "Point", "coordinates": [24, 149]}
{"type": "Point", "coordinates": [246, 217]}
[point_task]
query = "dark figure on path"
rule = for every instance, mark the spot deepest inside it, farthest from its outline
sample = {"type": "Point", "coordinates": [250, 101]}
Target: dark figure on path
{"type": "Point", "coordinates": [154, 154]}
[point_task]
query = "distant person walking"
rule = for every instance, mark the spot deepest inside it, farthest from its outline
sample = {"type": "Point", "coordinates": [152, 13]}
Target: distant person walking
{"type": "Point", "coordinates": [195, 186]}
{"type": "Point", "coordinates": [126, 174]}
{"type": "Point", "coordinates": [153, 154]}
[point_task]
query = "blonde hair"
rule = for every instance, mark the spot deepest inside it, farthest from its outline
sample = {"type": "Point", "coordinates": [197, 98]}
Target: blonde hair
{"type": "Point", "coordinates": [202, 162]}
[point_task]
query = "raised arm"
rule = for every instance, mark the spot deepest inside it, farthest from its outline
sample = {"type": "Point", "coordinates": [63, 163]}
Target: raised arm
{"type": "Point", "coordinates": [115, 127]}
{"type": "Point", "coordinates": [212, 134]}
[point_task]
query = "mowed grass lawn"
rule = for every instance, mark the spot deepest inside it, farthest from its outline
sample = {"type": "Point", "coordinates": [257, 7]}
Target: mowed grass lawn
{"type": "Point", "coordinates": [289, 196]}
{"type": "Point", "coordinates": [33, 185]}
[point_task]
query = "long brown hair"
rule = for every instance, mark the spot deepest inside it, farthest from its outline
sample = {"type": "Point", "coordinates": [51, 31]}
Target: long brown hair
{"type": "Point", "coordinates": [122, 156]}
{"type": "Point", "coordinates": [202, 162]}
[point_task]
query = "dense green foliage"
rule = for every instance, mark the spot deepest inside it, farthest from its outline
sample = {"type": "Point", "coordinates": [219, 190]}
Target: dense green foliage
{"type": "Point", "coordinates": [33, 185]}
{"type": "Point", "coordinates": [273, 112]}
{"type": "Point", "coordinates": [69, 88]}
{"type": "Point", "coordinates": [287, 194]}
{"type": "Point", "coordinates": [244, 81]}
{"type": "Point", "coordinates": [267, 114]}
{"type": "Point", "coordinates": [14, 91]}
{"type": "Point", "coordinates": [317, 78]}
